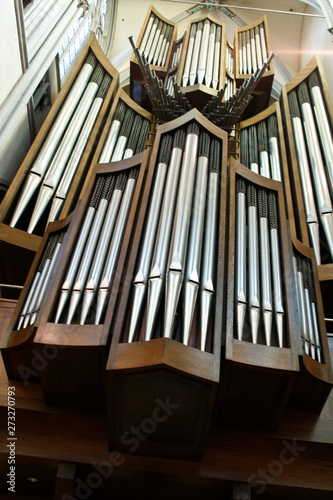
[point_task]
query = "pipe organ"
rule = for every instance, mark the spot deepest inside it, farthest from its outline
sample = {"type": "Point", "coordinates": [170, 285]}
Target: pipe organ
{"type": "Point", "coordinates": [307, 115]}
{"type": "Point", "coordinates": [189, 238]}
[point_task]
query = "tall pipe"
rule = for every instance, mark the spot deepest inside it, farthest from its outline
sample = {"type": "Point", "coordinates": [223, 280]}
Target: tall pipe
{"type": "Point", "coordinates": [180, 234]}
{"type": "Point", "coordinates": [51, 142]}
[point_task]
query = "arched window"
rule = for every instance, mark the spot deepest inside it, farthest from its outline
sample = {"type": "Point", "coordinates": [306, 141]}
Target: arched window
{"type": "Point", "coordinates": [72, 43]}
{"type": "Point", "coordinates": [99, 19]}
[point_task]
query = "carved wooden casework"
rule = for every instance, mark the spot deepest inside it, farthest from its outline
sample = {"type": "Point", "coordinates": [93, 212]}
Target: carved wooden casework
{"type": "Point", "coordinates": [17, 239]}
{"type": "Point", "coordinates": [257, 375]}
{"type": "Point", "coordinates": [161, 393]}
{"type": "Point", "coordinates": [141, 374]}
{"type": "Point", "coordinates": [18, 346]}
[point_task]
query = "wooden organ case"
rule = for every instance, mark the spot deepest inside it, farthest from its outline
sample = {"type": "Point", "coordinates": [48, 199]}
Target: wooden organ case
{"type": "Point", "coordinates": [168, 348]}
{"type": "Point", "coordinates": [197, 305]}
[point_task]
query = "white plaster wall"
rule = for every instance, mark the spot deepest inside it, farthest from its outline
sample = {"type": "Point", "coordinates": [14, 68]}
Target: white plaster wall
{"type": "Point", "coordinates": [10, 60]}
{"type": "Point", "coordinates": [284, 29]}
{"type": "Point", "coordinates": [316, 39]}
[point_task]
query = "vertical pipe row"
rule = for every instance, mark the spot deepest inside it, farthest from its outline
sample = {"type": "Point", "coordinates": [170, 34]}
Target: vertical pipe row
{"type": "Point", "coordinates": [252, 49]}
{"type": "Point", "coordinates": [49, 178]}
{"type": "Point", "coordinates": [90, 270]}
{"type": "Point", "coordinates": [156, 41]}
{"type": "Point", "coordinates": [259, 290]}
{"type": "Point", "coordinates": [176, 53]}
{"type": "Point", "coordinates": [174, 281]}
{"type": "Point", "coordinates": [41, 280]}
{"type": "Point", "coordinates": [202, 60]}
{"type": "Point", "coordinates": [230, 59]}
{"type": "Point", "coordinates": [313, 142]}
{"type": "Point", "coordinates": [229, 89]}
{"type": "Point", "coordinates": [307, 308]}
{"type": "Point", "coordinates": [262, 141]}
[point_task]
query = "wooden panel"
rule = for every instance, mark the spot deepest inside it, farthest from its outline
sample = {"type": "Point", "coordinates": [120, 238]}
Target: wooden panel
{"type": "Point", "coordinates": [170, 410]}
{"type": "Point", "coordinates": [325, 270]}
{"type": "Point", "coordinates": [7, 308]}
